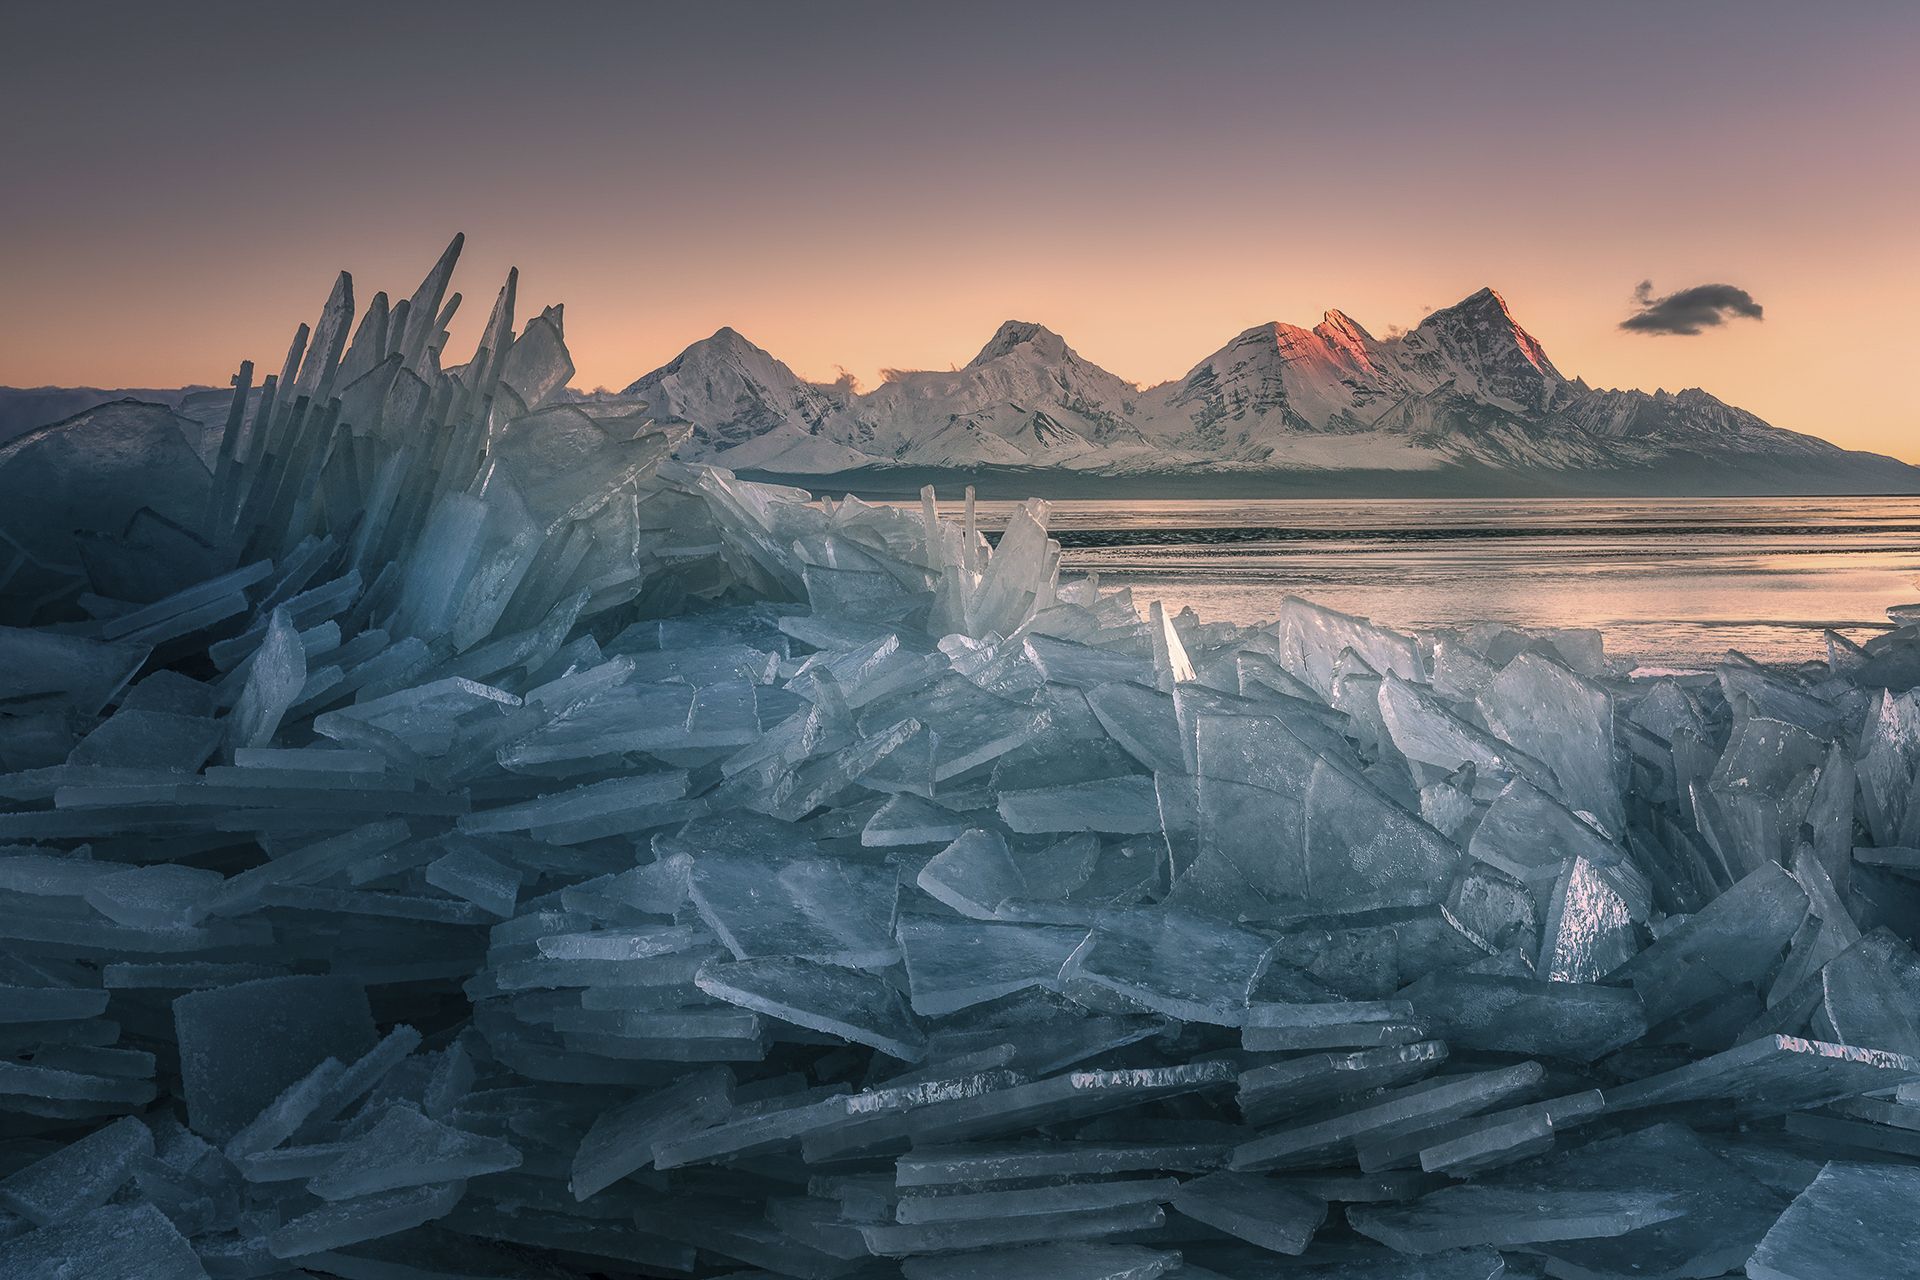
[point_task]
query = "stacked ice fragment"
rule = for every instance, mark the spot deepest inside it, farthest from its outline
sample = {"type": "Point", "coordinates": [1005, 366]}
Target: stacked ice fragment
{"type": "Point", "coordinates": [447, 837]}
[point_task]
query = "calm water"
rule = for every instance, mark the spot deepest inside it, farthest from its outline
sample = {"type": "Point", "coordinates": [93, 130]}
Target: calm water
{"type": "Point", "coordinates": [1670, 581]}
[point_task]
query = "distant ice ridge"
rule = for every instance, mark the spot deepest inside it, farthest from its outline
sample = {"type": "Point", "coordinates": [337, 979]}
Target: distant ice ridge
{"type": "Point", "coordinates": [446, 837]}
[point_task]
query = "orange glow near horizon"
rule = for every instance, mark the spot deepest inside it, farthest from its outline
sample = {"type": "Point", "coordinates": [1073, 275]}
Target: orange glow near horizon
{"type": "Point", "coordinates": [1163, 190]}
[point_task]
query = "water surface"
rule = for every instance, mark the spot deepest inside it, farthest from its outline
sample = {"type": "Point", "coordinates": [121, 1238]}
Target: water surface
{"type": "Point", "coordinates": [1671, 581]}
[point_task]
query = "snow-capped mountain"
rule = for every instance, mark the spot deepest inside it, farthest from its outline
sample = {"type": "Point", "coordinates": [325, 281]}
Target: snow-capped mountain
{"type": "Point", "coordinates": [1466, 402]}
{"type": "Point", "coordinates": [1468, 392]}
{"type": "Point", "coordinates": [733, 393]}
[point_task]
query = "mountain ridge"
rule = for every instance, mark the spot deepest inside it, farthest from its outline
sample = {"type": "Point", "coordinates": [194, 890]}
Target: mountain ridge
{"type": "Point", "coordinates": [1466, 400]}
{"type": "Point", "coordinates": [1467, 388]}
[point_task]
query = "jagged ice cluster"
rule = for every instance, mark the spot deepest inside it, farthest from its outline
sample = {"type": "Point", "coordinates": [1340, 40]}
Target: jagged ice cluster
{"type": "Point", "coordinates": [445, 836]}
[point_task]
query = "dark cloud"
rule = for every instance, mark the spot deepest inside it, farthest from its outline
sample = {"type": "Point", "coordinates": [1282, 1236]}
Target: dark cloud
{"type": "Point", "coordinates": [1705, 306]}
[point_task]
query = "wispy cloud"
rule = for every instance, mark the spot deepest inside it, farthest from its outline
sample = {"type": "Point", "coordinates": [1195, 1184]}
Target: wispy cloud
{"type": "Point", "coordinates": [1689, 311]}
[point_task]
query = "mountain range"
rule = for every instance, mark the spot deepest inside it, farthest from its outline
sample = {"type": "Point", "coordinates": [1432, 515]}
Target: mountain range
{"type": "Point", "coordinates": [1467, 400]}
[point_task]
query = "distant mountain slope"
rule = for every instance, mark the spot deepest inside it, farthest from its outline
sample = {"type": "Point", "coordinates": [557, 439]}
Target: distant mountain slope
{"type": "Point", "coordinates": [1466, 398]}
{"type": "Point", "coordinates": [1467, 401]}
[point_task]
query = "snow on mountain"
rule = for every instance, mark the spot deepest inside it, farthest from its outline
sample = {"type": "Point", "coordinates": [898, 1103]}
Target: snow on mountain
{"type": "Point", "coordinates": [732, 391]}
{"type": "Point", "coordinates": [1026, 399]}
{"type": "Point", "coordinates": [1274, 381]}
{"type": "Point", "coordinates": [1467, 387]}
{"type": "Point", "coordinates": [1468, 390]}
{"type": "Point", "coordinates": [1480, 349]}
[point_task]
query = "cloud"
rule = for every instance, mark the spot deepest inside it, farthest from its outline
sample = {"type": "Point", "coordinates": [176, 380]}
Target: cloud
{"type": "Point", "coordinates": [1688, 312]}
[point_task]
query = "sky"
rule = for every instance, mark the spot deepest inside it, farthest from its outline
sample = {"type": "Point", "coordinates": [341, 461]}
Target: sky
{"type": "Point", "coordinates": [860, 186]}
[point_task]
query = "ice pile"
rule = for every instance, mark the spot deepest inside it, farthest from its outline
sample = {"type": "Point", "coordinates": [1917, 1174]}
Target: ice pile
{"type": "Point", "coordinates": [447, 837]}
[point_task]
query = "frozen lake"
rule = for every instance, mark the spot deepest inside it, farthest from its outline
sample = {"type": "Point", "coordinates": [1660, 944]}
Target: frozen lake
{"type": "Point", "coordinates": [1669, 580]}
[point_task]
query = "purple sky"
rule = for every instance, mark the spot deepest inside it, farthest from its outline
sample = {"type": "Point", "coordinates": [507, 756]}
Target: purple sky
{"type": "Point", "coordinates": [878, 186]}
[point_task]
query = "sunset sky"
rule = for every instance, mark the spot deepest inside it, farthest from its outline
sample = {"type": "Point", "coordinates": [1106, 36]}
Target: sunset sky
{"type": "Point", "coordinates": [878, 185]}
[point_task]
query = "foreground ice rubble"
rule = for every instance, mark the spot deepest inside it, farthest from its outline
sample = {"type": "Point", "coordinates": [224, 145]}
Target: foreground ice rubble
{"type": "Point", "coordinates": [444, 836]}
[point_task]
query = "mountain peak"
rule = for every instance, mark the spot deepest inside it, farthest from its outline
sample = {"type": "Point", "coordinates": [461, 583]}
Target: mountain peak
{"type": "Point", "coordinates": [726, 336]}
{"type": "Point", "coordinates": [1483, 323]}
{"type": "Point", "coordinates": [1337, 321]}
{"type": "Point", "coordinates": [727, 349]}
{"type": "Point", "coordinates": [1017, 333]}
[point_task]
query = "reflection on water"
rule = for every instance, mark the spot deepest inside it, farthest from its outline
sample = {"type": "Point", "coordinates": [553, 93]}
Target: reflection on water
{"type": "Point", "coordinates": [1669, 580]}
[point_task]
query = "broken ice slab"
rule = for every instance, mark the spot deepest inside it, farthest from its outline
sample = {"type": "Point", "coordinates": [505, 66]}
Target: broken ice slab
{"type": "Point", "coordinates": [43, 666]}
{"type": "Point", "coordinates": [1123, 806]}
{"type": "Point", "coordinates": [112, 1242]}
{"type": "Point", "coordinates": [966, 1205]}
{"type": "Point", "coordinates": [1481, 1140]}
{"type": "Point", "coordinates": [1172, 962]}
{"type": "Point", "coordinates": [346, 1222]}
{"type": "Point", "coordinates": [1371, 954]}
{"type": "Point", "coordinates": [1056, 1099]}
{"type": "Point", "coordinates": [933, 1166]}
{"type": "Point", "coordinates": [1867, 996]}
{"type": "Point", "coordinates": [427, 718]}
{"type": "Point", "coordinates": [908, 820]}
{"type": "Point", "coordinates": [832, 911]}
{"type": "Point", "coordinates": [162, 896]}
{"type": "Point", "coordinates": [1564, 720]}
{"type": "Point", "coordinates": [1083, 666]}
{"type": "Point", "coordinates": [1771, 1075]}
{"type": "Point", "coordinates": [406, 1149]}
{"type": "Point", "coordinates": [1529, 835]}
{"type": "Point", "coordinates": [559, 815]}
{"type": "Point", "coordinates": [1734, 940]}
{"type": "Point", "coordinates": [970, 726]}
{"type": "Point", "coordinates": [361, 1075]}
{"type": "Point", "coordinates": [896, 1240]}
{"type": "Point", "coordinates": [1312, 639]}
{"type": "Point", "coordinates": [1252, 1208]}
{"type": "Point", "coordinates": [722, 664]}
{"type": "Point", "coordinates": [849, 1003]}
{"type": "Point", "coordinates": [1523, 1133]}
{"type": "Point", "coordinates": [307, 865]}
{"type": "Point", "coordinates": [1465, 1216]}
{"type": "Point", "coordinates": [136, 739]}
{"type": "Point", "coordinates": [1854, 1220]}
{"type": "Point", "coordinates": [1047, 1031]}
{"type": "Point", "coordinates": [53, 1004]}
{"type": "Point", "coordinates": [486, 882]}
{"type": "Point", "coordinates": [1588, 932]}
{"type": "Point", "coordinates": [974, 875]}
{"type": "Point", "coordinates": [1426, 730]}
{"type": "Point", "coordinates": [1576, 1021]}
{"type": "Point", "coordinates": [79, 1177]}
{"type": "Point", "coordinates": [185, 600]}
{"type": "Point", "coordinates": [860, 594]}
{"type": "Point", "coordinates": [1726, 1211]}
{"type": "Point", "coordinates": [881, 1116]}
{"type": "Point", "coordinates": [1424, 1105]}
{"type": "Point", "coordinates": [1304, 1083]}
{"type": "Point", "coordinates": [1061, 869]}
{"type": "Point", "coordinates": [1273, 1027]}
{"type": "Point", "coordinates": [622, 1138]}
{"type": "Point", "coordinates": [1143, 722]}
{"type": "Point", "coordinates": [952, 964]}
{"type": "Point", "coordinates": [54, 1091]}
{"type": "Point", "coordinates": [1059, 1261]}
{"type": "Point", "coordinates": [1894, 857]}
{"type": "Point", "coordinates": [753, 1127]}
{"type": "Point", "coordinates": [283, 1117]}
{"type": "Point", "coordinates": [278, 671]}
{"type": "Point", "coordinates": [241, 1045]}
{"type": "Point", "coordinates": [1288, 821]}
